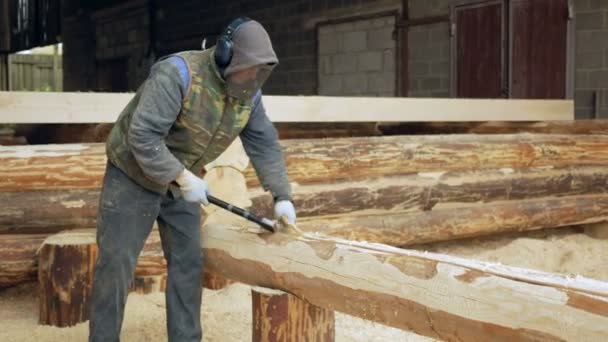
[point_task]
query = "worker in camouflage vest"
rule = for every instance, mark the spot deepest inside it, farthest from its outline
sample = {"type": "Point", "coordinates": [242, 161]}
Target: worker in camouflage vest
{"type": "Point", "coordinates": [192, 106]}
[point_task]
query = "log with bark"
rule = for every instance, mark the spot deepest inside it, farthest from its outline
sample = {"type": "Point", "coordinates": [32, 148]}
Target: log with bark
{"type": "Point", "coordinates": [327, 160]}
{"type": "Point", "coordinates": [19, 258]}
{"type": "Point", "coordinates": [435, 295]}
{"type": "Point", "coordinates": [588, 126]}
{"type": "Point", "coordinates": [401, 229]}
{"type": "Point", "coordinates": [48, 211]}
{"type": "Point", "coordinates": [433, 190]}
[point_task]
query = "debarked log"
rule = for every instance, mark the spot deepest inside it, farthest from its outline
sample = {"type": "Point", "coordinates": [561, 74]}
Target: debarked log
{"type": "Point", "coordinates": [430, 294]}
{"type": "Point", "coordinates": [81, 166]}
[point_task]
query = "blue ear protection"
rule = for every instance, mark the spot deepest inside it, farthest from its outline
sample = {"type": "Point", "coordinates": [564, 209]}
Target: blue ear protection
{"type": "Point", "coordinates": [223, 48]}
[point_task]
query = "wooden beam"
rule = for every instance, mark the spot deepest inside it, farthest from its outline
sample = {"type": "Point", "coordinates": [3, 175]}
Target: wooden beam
{"type": "Point", "coordinates": [66, 107]}
{"type": "Point", "coordinates": [434, 295]}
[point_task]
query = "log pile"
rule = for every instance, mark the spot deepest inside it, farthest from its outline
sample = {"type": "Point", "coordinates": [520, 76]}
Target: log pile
{"type": "Point", "coordinates": [443, 297]}
{"type": "Point", "coordinates": [398, 191]}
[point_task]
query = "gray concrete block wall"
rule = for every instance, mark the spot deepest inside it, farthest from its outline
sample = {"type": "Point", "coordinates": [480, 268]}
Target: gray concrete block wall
{"type": "Point", "coordinates": [429, 51]}
{"type": "Point", "coordinates": [591, 59]}
{"type": "Point", "coordinates": [429, 60]}
{"type": "Point", "coordinates": [357, 58]}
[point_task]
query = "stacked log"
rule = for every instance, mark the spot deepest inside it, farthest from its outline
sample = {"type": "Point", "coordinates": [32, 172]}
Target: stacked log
{"type": "Point", "coordinates": [398, 190]}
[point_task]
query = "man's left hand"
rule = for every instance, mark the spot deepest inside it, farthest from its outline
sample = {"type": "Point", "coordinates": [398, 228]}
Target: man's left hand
{"type": "Point", "coordinates": [285, 208]}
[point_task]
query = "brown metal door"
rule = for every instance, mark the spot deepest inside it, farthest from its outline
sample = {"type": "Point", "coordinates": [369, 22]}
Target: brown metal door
{"type": "Point", "coordinates": [539, 48]}
{"type": "Point", "coordinates": [479, 50]}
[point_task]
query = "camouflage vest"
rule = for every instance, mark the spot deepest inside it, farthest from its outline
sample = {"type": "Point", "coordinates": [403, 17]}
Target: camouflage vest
{"type": "Point", "coordinates": [209, 121]}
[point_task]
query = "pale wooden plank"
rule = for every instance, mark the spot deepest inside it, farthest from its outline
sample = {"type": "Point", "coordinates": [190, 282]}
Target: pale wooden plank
{"type": "Point", "coordinates": [52, 107]}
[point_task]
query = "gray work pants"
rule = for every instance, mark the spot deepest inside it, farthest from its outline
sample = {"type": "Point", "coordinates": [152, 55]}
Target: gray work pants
{"type": "Point", "coordinates": [126, 215]}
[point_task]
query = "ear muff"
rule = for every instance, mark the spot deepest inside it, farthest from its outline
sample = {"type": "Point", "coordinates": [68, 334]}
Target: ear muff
{"type": "Point", "coordinates": [223, 48]}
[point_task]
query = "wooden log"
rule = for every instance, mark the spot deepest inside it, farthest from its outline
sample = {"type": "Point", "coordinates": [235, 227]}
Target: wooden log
{"type": "Point", "coordinates": [328, 160]}
{"type": "Point", "coordinates": [65, 278]}
{"type": "Point", "coordinates": [48, 211]}
{"type": "Point", "coordinates": [19, 259]}
{"type": "Point", "coordinates": [401, 229]}
{"type": "Point", "coordinates": [435, 295]}
{"type": "Point", "coordinates": [318, 130]}
{"type": "Point", "coordinates": [347, 159]}
{"type": "Point", "coordinates": [19, 262]}
{"type": "Point", "coordinates": [429, 191]}
{"type": "Point", "coordinates": [280, 316]}
{"type": "Point", "coordinates": [587, 126]}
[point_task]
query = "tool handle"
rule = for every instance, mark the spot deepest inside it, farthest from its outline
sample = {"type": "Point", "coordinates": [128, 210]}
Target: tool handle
{"type": "Point", "coordinates": [262, 221]}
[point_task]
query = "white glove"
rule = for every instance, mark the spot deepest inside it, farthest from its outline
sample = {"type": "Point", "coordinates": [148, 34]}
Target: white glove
{"type": "Point", "coordinates": [285, 208]}
{"type": "Point", "coordinates": [193, 188]}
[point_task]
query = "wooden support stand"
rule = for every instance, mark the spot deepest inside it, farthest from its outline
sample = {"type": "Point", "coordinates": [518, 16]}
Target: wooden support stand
{"type": "Point", "coordinates": [65, 277]}
{"type": "Point", "coordinates": [280, 316]}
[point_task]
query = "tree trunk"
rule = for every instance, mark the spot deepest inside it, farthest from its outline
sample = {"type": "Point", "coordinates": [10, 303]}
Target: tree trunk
{"type": "Point", "coordinates": [279, 316]}
{"type": "Point", "coordinates": [434, 295]}
{"type": "Point", "coordinates": [401, 229]}
{"type": "Point", "coordinates": [327, 160]}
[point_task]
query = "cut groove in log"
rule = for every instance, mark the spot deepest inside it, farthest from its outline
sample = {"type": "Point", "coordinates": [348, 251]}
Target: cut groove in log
{"type": "Point", "coordinates": [312, 161]}
{"type": "Point", "coordinates": [280, 316]}
{"type": "Point", "coordinates": [433, 295]}
{"type": "Point", "coordinates": [401, 229]}
{"type": "Point", "coordinates": [65, 278]}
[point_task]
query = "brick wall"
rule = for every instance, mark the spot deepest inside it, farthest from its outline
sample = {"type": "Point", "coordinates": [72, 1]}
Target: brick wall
{"type": "Point", "coordinates": [591, 79]}
{"type": "Point", "coordinates": [357, 58]}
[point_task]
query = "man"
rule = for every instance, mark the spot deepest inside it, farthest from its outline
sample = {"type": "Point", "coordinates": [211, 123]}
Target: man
{"type": "Point", "coordinates": [188, 111]}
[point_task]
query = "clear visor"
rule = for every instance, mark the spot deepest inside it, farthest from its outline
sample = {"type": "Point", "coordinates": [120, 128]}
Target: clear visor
{"type": "Point", "coordinates": [244, 84]}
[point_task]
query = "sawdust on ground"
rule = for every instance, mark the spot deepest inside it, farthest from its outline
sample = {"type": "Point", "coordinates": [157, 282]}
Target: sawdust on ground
{"type": "Point", "coordinates": [226, 314]}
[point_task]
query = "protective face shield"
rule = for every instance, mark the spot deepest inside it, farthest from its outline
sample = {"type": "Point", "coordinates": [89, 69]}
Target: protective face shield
{"type": "Point", "coordinates": [244, 84]}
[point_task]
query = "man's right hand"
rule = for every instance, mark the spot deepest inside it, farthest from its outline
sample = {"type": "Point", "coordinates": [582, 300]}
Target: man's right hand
{"type": "Point", "coordinates": [193, 188]}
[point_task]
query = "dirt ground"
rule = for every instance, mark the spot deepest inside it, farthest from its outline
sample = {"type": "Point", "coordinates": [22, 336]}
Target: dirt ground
{"type": "Point", "coordinates": [226, 314]}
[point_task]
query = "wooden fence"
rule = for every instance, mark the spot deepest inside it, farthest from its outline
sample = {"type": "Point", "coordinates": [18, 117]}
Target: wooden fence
{"type": "Point", "coordinates": [32, 72]}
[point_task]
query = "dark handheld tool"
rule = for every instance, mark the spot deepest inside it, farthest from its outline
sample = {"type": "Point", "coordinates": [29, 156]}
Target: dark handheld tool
{"type": "Point", "coordinates": [262, 221]}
